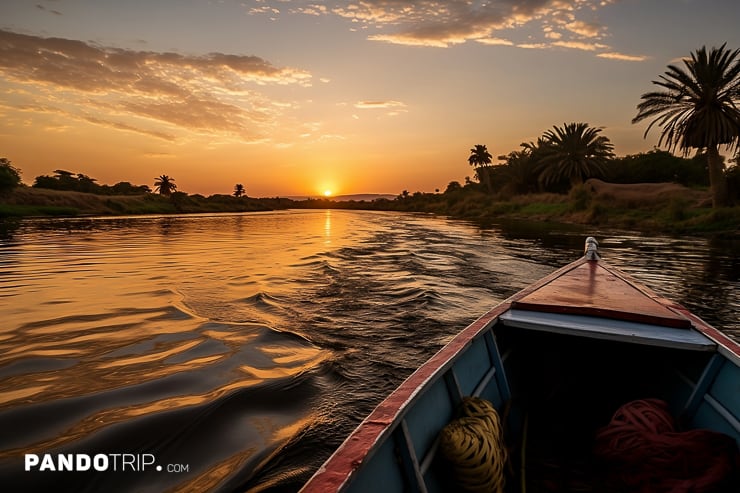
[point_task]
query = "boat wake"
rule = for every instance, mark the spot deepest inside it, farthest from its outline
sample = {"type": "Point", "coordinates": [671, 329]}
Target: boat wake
{"type": "Point", "coordinates": [240, 348]}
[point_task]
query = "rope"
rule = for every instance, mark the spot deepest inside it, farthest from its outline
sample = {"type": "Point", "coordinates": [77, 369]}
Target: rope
{"type": "Point", "coordinates": [474, 445]}
{"type": "Point", "coordinates": [644, 451]}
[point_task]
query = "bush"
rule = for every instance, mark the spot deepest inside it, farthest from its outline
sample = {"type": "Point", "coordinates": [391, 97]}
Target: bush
{"type": "Point", "coordinates": [597, 214]}
{"type": "Point", "coordinates": [580, 197]}
{"type": "Point", "coordinates": [678, 209]}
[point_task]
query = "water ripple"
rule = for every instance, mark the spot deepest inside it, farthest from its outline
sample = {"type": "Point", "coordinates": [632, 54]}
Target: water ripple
{"type": "Point", "coordinates": [248, 346]}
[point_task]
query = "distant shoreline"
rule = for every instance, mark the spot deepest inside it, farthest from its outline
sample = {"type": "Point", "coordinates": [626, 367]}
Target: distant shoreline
{"type": "Point", "coordinates": [358, 197]}
{"type": "Point", "coordinates": [678, 211]}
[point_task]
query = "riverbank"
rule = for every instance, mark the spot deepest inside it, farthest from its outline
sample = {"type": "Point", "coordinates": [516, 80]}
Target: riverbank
{"type": "Point", "coordinates": [29, 201]}
{"type": "Point", "coordinates": [667, 208]}
{"type": "Point", "coordinates": [672, 210]}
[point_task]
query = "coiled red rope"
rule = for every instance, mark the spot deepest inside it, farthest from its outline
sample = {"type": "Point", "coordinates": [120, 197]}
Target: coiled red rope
{"type": "Point", "coordinates": [643, 450]}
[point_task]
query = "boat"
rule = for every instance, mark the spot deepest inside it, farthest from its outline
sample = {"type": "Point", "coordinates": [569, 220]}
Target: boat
{"type": "Point", "coordinates": [577, 365]}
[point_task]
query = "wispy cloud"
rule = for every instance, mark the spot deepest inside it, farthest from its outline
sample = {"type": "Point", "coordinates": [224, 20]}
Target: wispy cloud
{"type": "Point", "coordinates": [390, 107]}
{"type": "Point", "coordinates": [495, 41]}
{"type": "Point", "coordinates": [570, 24]}
{"type": "Point", "coordinates": [394, 107]}
{"type": "Point", "coordinates": [622, 56]}
{"type": "Point", "coordinates": [372, 105]}
{"type": "Point", "coordinates": [580, 45]}
{"type": "Point", "coordinates": [216, 92]}
{"type": "Point", "coordinates": [436, 23]}
{"type": "Point", "coordinates": [534, 46]}
{"type": "Point", "coordinates": [51, 11]}
{"type": "Point", "coordinates": [131, 128]}
{"type": "Point", "coordinates": [585, 29]}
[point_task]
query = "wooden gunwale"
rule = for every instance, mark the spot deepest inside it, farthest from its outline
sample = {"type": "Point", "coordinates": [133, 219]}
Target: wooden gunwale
{"type": "Point", "coordinates": [334, 474]}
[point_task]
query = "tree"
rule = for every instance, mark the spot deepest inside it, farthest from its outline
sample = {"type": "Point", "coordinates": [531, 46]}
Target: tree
{"type": "Point", "coordinates": [657, 166]}
{"type": "Point", "coordinates": [480, 159]}
{"type": "Point", "coordinates": [522, 169]}
{"type": "Point", "coordinates": [126, 188]}
{"type": "Point", "coordinates": [574, 152]}
{"type": "Point", "coordinates": [165, 185]}
{"type": "Point", "coordinates": [86, 184]}
{"type": "Point", "coordinates": [699, 108]}
{"type": "Point", "coordinates": [10, 176]}
{"type": "Point", "coordinates": [238, 190]}
{"type": "Point", "coordinates": [66, 180]}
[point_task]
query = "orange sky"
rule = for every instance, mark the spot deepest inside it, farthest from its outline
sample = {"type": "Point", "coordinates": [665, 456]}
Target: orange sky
{"type": "Point", "coordinates": [297, 97]}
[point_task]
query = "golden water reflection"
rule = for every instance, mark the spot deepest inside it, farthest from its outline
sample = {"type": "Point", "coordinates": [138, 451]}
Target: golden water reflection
{"type": "Point", "coordinates": [255, 324]}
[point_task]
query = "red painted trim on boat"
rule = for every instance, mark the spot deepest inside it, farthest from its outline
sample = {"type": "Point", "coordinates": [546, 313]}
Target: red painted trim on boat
{"type": "Point", "coordinates": [714, 334]}
{"type": "Point", "coordinates": [333, 475]}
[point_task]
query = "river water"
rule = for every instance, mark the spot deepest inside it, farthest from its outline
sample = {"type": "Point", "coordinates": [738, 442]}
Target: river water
{"type": "Point", "coordinates": [235, 352]}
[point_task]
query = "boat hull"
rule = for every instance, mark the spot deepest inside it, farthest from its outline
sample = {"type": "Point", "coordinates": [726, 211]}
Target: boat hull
{"type": "Point", "coordinates": [541, 360]}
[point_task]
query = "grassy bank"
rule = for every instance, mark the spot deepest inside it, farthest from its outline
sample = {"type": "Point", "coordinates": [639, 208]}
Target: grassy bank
{"type": "Point", "coordinates": [677, 211]}
{"type": "Point", "coordinates": [28, 201]}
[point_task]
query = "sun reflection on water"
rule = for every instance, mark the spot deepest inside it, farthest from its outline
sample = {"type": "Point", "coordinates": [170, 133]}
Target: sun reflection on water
{"type": "Point", "coordinates": [327, 227]}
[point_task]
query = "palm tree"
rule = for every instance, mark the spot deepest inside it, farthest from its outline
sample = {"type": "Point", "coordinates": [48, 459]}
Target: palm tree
{"type": "Point", "coordinates": [520, 170]}
{"type": "Point", "coordinates": [238, 190]}
{"type": "Point", "coordinates": [165, 185]}
{"type": "Point", "coordinates": [480, 159]}
{"type": "Point", "coordinates": [574, 152]}
{"type": "Point", "coordinates": [699, 109]}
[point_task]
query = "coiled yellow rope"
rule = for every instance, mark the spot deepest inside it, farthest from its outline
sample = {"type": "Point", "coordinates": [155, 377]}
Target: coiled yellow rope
{"type": "Point", "coordinates": [474, 445]}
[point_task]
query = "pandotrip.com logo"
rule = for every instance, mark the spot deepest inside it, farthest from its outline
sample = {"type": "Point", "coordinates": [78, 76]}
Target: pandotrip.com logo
{"type": "Point", "coordinates": [112, 462]}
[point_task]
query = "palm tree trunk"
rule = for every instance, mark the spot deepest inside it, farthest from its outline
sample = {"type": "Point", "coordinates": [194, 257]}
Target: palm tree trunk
{"type": "Point", "coordinates": [717, 180]}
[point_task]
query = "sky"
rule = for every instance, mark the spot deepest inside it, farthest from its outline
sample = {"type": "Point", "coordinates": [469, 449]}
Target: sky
{"type": "Point", "coordinates": [296, 98]}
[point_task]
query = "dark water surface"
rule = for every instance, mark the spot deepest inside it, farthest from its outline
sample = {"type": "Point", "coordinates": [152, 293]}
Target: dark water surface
{"type": "Point", "coordinates": [237, 351]}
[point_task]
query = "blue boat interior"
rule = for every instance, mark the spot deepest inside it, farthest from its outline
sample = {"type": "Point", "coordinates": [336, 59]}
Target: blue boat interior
{"type": "Point", "coordinates": [555, 390]}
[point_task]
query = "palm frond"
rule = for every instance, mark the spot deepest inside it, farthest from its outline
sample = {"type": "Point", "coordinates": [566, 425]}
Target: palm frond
{"type": "Point", "coordinates": [699, 106]}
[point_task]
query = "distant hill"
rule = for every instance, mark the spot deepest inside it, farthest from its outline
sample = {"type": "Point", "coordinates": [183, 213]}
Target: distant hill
{"type": "Point", "coordinates": [367, 197]}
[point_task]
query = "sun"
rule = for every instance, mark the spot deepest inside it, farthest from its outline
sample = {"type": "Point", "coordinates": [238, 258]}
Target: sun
{"type": "Point", "coordinates": [327, 193]}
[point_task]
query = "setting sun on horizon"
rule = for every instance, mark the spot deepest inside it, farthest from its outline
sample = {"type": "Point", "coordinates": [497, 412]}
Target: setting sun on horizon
{"type": "Point", "coordinates": [383, 96]}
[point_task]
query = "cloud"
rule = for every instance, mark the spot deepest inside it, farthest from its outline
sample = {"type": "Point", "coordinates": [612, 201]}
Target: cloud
{"type": "Point", "coordinates": [622, 56]}
{"type": "Point", "coordinates": [571, 24]}
{"type": "Point", "coordinates": [374, 105]}
{"type": "Point", "coordinates": [444, 23]}
{"type": "Point", "coordinates": [41, 7]}
{"type": "Point", "coordinates": [390, 107]}
{"type": "Point", "coordinates": [83, 116]}
{"type": "Point", "coordinates": [495, 41]}
{"type": "Point", "coordinates": [130, 128]}
{"type": "Point", "coordinates": [584, 29]}
{"type": "Point", "coordinates": [534, 46]}
{"type": "Point", "coordinates": [403, 39]}
{"type": "Point", "coordinates": [216, 92]}
{"type": "Point", "coordinates": [580, 45]}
